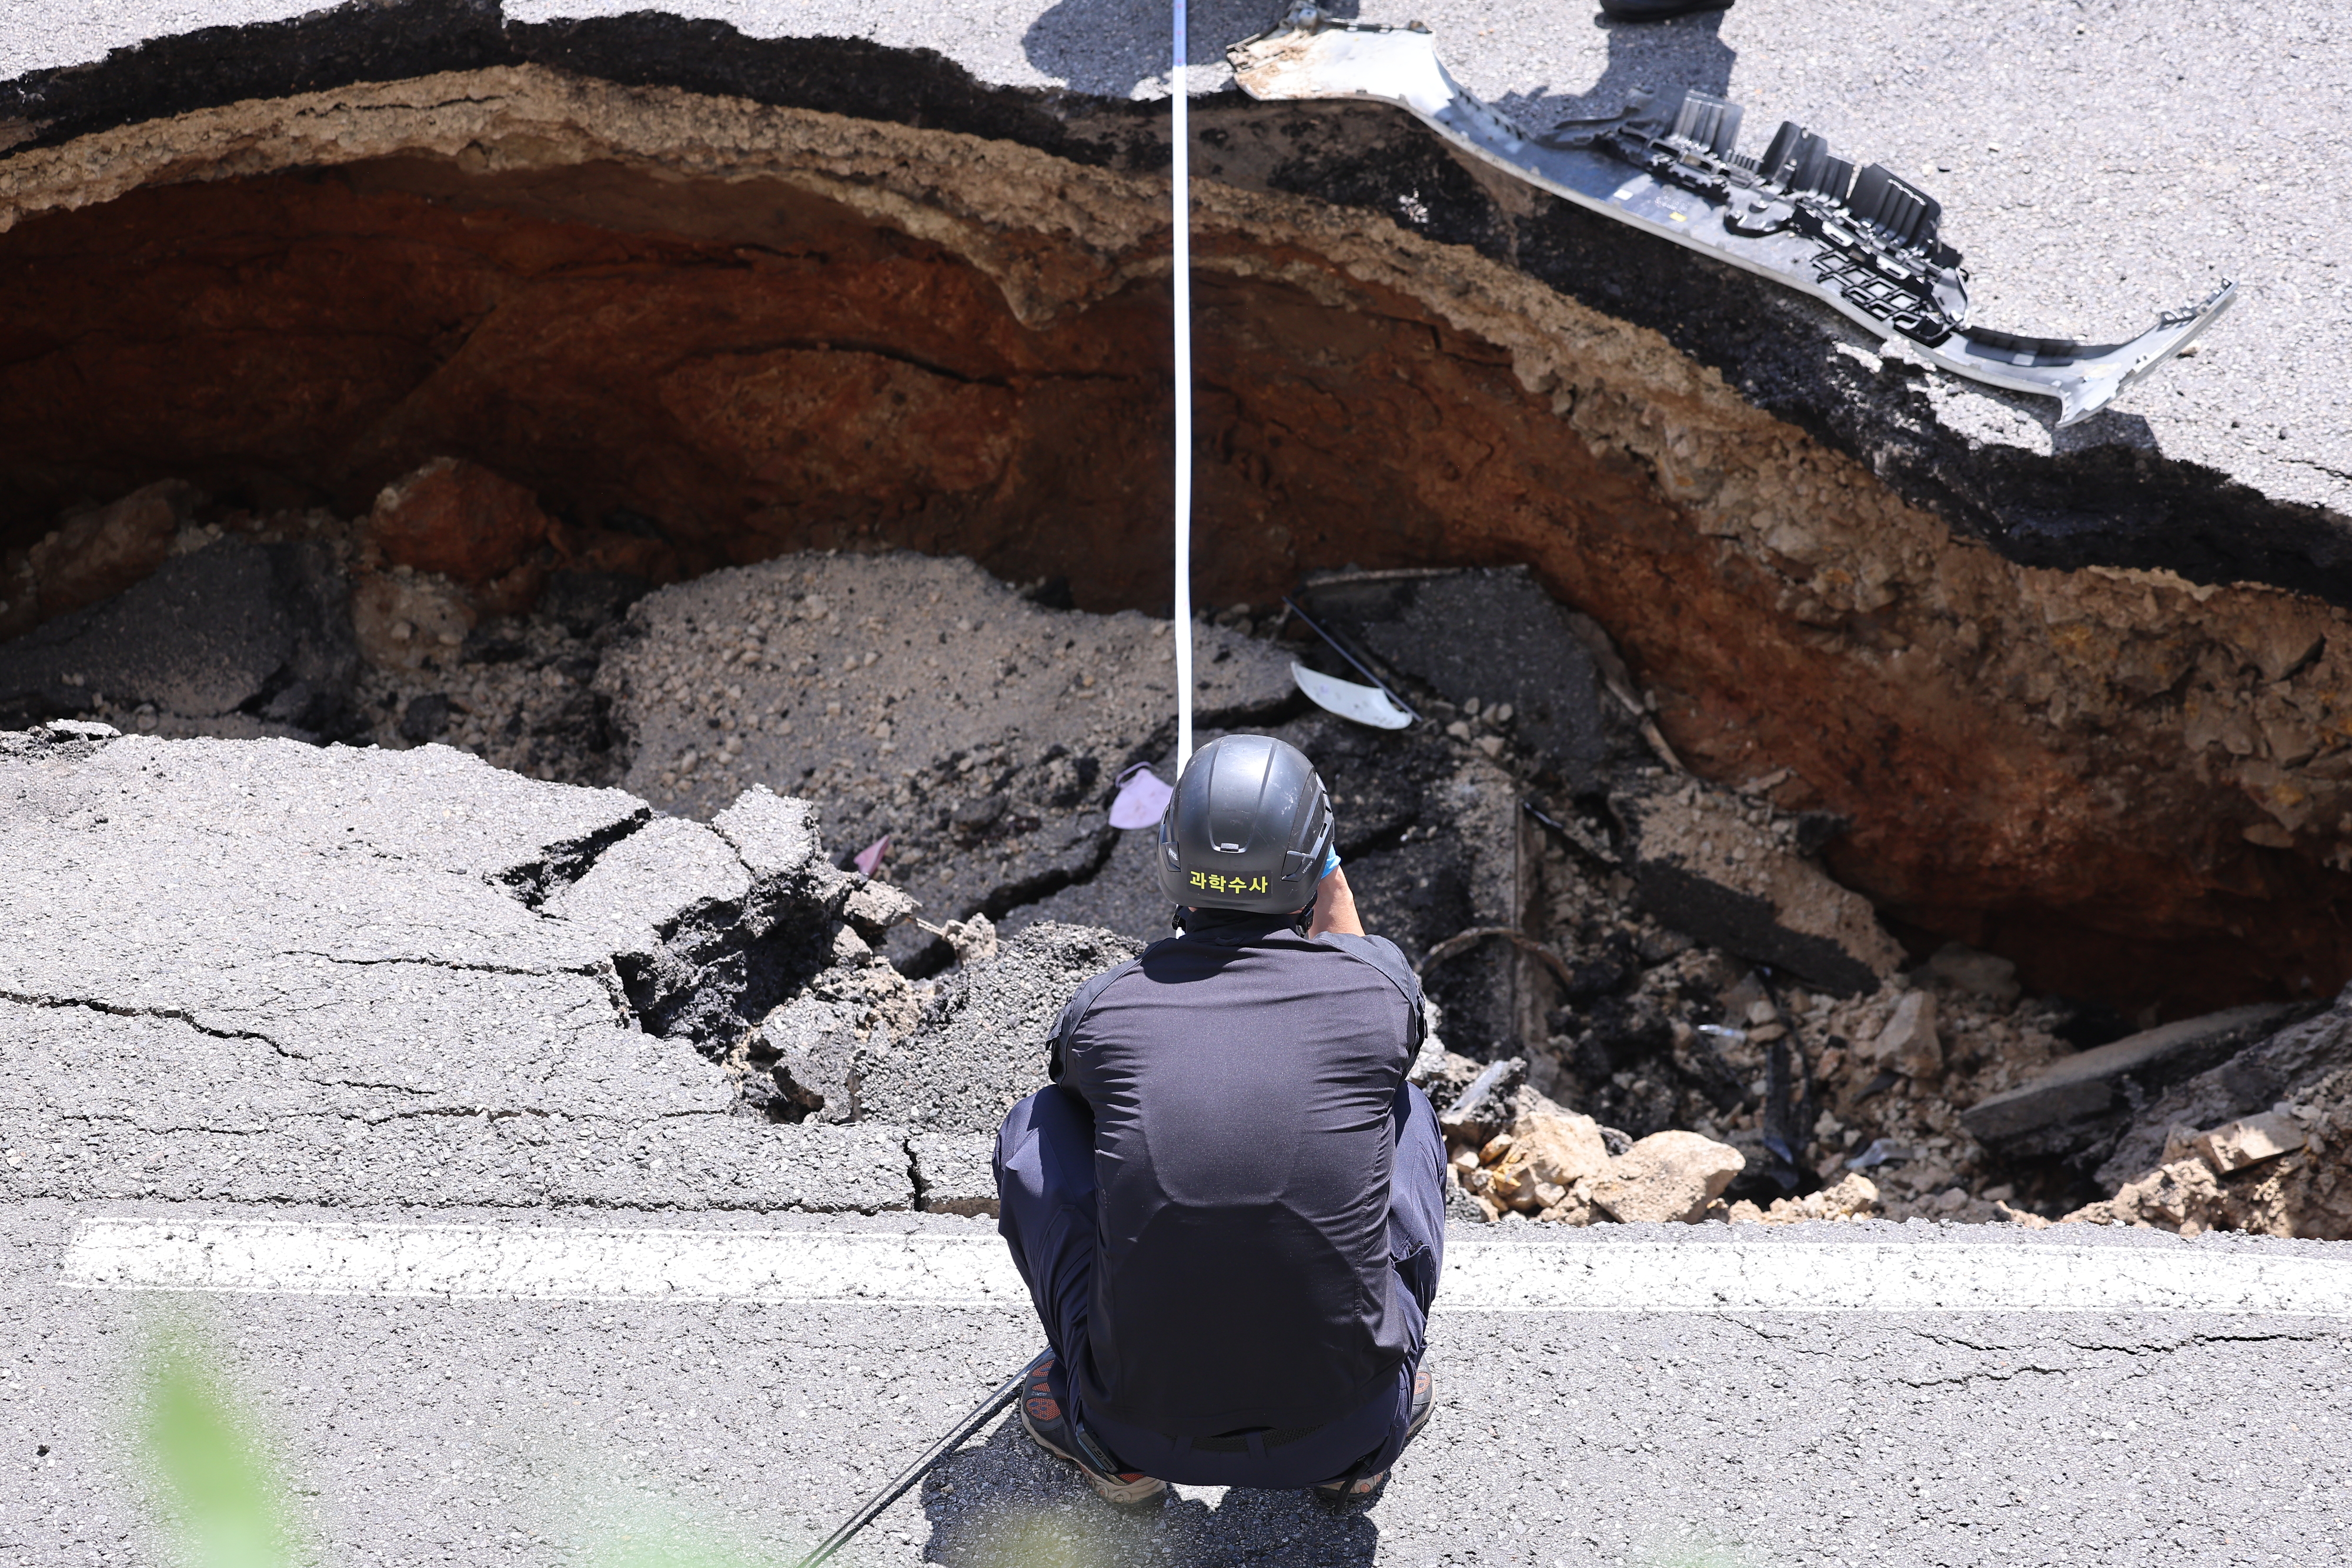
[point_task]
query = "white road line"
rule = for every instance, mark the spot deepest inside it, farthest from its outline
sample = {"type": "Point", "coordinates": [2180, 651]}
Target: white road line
{"type": "Point", "coordinates": [472, 1262]}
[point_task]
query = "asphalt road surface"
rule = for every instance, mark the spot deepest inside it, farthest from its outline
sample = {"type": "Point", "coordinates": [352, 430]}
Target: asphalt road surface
{"type": "Point", "coordinates": [322, 1055]}
{"type": "Point", "coordinates": [467, 1412]}
{"type": "Point", "coordinates": [2098, 161]}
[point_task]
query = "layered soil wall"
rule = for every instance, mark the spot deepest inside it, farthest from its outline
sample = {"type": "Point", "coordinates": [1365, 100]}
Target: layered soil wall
{"type": "Point", "coordinates": [706, 331]}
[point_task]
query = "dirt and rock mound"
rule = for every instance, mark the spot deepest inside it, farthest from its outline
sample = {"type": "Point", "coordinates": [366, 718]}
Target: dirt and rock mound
{"type": "Point", "coordinates": [1662, 953]}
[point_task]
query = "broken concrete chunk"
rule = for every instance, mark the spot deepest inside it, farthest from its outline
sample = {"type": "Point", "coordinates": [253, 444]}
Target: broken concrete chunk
{"type": "Point", "coordinates": [972, 940]}
{"type": "Point", "coordinates": [649, 881]}
{"type": "Point", "coordinates": [816, 1067]}
{"type": "Point", "coordinates": [1908, 1043]}
{"type": "Point", "coordinates": [773, 835]}
{"type": "Point", "coordinates": [849, 949]}
{"type": "Point", "coordinates": [980, 1042]}
{"type": "Point", "coordinates": [876, 907]}
{"type": "Point", "coordinates": [955, 1173]}
{"type": "Point", "coordinates": [917, 697]}
{"type": "Point", "coordinates": [1703, 866]}
{"type": "Point", "coordinates": [1550, 1148]}
{"type": "Point", "coordinates": [2183, 1197]}
{"type": "Point", "coordinates": [1667, 1176]}
{"type": "Point", "coordinates": [2249, 1142]}
{"type": "Point", "coordinates": [2256, 1079]}
{"type": "Point", "coordinates": [1853, 1198]}
{"type": "Point", "coordinates": [1486, 1105]}
{"type": "Point", "coordinates": [2075, 1107]}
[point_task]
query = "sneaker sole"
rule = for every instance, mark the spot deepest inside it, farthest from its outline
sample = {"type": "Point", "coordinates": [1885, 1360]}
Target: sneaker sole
{"type": "Point", "coordinates": [1119, 1494]}
{"type": "Point", "coordinates": [1369, 1484]}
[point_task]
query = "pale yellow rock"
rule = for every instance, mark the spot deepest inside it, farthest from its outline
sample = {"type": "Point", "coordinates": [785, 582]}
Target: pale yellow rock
{"type": "Point", "coordinates": [2182, 1197]}
{"type": "Point", "coordinates": [1548, 1145]}
{"type": "Point", "coordinates": [1908, 1043]}
{"type": "Point", "coordinates": [2249, 1142]}
{"type": "Point", "coordinates": [1854, 1197]}
{"type": "Point", "coordinates": [1667, 1176]}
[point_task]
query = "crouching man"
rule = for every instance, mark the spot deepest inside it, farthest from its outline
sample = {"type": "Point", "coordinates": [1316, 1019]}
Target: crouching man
{"type": "Point", "coordinates": [1229, 1206]}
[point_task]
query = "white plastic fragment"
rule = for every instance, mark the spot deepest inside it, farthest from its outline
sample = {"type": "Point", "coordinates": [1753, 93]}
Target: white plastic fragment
{"type": "Point", "coordinates": [1364, 704]}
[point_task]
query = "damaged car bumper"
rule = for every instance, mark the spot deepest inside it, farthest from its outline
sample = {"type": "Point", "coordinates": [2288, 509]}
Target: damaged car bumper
{"type": "Point", "coordinates": [1865, 242]}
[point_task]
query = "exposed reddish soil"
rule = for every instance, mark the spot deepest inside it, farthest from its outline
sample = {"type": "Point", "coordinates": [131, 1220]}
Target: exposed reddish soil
{"type": "Point", "coordinates": [755, 368]}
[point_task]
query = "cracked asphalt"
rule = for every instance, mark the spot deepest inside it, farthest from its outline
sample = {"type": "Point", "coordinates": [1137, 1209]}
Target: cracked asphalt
{"type": "Point", "coordinates": [256, 980]}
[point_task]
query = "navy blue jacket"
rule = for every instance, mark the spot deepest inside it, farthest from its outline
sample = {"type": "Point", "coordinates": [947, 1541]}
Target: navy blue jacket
{"type": "Point", "coordinates": [1242, 1079]}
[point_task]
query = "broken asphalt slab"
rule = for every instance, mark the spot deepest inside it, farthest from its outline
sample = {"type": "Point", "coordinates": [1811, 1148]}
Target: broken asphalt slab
{"type": "Point", "coordinates": [271, 972]}
{"type": "Point", "coordinates": [918, 699]}
{"type": "Point", "coordinates": [2079, 1104]}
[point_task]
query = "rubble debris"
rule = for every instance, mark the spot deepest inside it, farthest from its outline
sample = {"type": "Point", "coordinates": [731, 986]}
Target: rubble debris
{"type": "Point", "coordinates": [1908, 1043]}
{"type": "Point", "coordinates": [874, 907]}
{"type": "Point", "coordinates": [1486, 1106]}
{"type": "Point", "coordinates": [2241, 1145]}
{"type": "Point", "coordinates": [1666, 1176]}
{"type": "Point", "coordinates": [2252, 1080]}
{"type": "Point", "coordinates": [1546, 1151]}
{"type": "Point", "coordinates": [1854, 1197]}
{"type": "Point", "coordinates": [2078, 1107]}
{"type": "Point", "coordinates": [1484, 637]}
{"type": "Point", "coordinates": [2283, 1170]}
{"type": "Point", "coordinates": [1614, 1008]}
{"type": "Point", "coordinates": [1727, 872]}
{"type": "Point", "coordinates": [918, 697]}
{"type": "Point", "coordinates": [979, 1041]}
{"type": "Point", "coordinates": [1511, 1149]}
{"type": "Point", "coordinates": [972, 939]}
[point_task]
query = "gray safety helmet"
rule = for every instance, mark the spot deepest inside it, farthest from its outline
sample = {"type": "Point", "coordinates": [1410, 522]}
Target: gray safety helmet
{"type": "Point", "coordinates": [1248, 827]}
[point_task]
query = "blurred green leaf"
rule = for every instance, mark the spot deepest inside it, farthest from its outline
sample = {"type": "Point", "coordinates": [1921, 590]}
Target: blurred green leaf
{"type": "Point", "coordinates": [649, 1536]}
{"type": "Point", "coordinates": [215, 1477]}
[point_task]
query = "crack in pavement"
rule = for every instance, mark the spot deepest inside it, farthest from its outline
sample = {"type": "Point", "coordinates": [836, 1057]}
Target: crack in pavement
{"type": "Point", "coordinates": [176, 1015]}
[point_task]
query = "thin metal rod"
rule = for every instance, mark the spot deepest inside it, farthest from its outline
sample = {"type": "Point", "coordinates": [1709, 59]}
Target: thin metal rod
{"type": "Point", "coordinates": [1180, 215]}
{"type": "Point", "coordinates": [1349, 657]}
{"type": "Point", "coordinates": [922, 1467]}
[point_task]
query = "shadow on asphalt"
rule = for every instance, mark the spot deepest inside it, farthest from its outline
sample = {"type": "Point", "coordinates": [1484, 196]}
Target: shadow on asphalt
{"type": "Point", "coordinates": [1687, 51]}
{"type": "Point", "coordinates": [1006, 1505]}
{"type": "Point", "coordinates": [1108, 46]}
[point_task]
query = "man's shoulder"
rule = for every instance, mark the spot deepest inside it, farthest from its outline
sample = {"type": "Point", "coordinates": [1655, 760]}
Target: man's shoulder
{"type": "Point", "coordinates": [1383, 955]}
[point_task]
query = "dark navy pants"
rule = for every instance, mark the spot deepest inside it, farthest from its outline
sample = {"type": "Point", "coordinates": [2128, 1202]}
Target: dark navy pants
{"type": "Point", "coordinates": [1046, 1191]}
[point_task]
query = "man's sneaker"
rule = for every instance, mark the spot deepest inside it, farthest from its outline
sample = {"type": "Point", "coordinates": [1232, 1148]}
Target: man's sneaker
{"type": "Point", "coordinates": [1043, 1418]}
{"type": "Point", "coordinates": [1343, 1491]}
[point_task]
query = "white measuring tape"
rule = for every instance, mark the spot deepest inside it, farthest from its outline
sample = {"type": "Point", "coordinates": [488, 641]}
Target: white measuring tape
{"type": "Point", "coordinates": [1180, 202]}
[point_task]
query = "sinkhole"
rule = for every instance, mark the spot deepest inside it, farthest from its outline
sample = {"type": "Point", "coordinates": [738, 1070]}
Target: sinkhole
{"type": "Point", "coordinates": [657, 332]}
